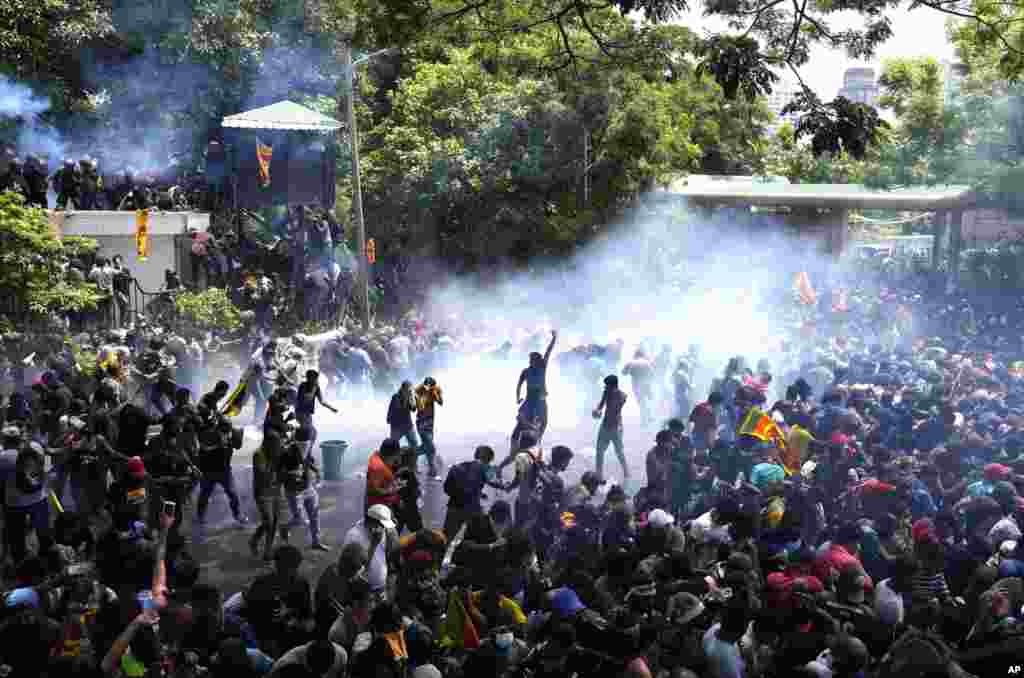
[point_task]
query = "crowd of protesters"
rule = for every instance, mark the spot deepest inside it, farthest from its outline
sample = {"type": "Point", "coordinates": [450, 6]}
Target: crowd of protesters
{"type": "Point", "coordinates": [852, 512]}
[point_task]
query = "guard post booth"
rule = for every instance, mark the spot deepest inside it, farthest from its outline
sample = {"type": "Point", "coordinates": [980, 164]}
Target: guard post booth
{"type": "Point", "coordinates": [820, 212]}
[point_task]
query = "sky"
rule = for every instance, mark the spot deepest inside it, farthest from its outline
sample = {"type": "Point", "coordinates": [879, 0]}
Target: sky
{"type": "Point", "coordinates": [918, 32]}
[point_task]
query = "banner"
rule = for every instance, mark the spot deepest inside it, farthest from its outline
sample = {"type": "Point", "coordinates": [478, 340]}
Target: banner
{"type": "Point", "coordinates": [263, 155]}
{"type": "Point", "coordinates": [803, 287]}
{"type": "Point", "coordinates": [142, 233]}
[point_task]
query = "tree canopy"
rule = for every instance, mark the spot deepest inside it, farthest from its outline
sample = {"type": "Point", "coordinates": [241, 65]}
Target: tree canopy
{"type": "Point", "coordinates": [31, 271]}
{"type": "Point", "coordinates": [497, 127]}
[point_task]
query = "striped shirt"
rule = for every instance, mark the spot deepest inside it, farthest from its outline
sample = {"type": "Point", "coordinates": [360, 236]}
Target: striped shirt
{"type": "Point", "coordinates": [930, 585]}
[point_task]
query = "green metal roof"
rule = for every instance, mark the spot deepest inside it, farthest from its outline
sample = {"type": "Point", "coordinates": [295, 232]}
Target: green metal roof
{"type": "Point", "coordinates": [845, 196]}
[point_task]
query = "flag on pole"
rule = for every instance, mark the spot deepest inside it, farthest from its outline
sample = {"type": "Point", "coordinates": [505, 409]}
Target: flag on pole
{"type": "Point", "coordinates": [803, 287]}
{"type": "Point", "coordinates": [236, 401]}
{"type": "Point", "coordinates": [142, 233]}
{"type": "Point", "coordinates": [264, 154]}
{"type": "Point", "coordinates": [759, 425]}
{"type": "Point", "coordinates": [458, 630]}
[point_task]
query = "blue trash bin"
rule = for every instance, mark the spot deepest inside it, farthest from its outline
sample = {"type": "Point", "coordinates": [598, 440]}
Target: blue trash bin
{"type": "Point", "coordinates": [331, 453]}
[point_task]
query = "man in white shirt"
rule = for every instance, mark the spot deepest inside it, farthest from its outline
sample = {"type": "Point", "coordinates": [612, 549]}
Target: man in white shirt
{"type": "Point", "coordinates": [102, 275]}
{"type": "Point", "coordinates": [527, 461]}
{"type": "Point", "coordinates": [399, 349]}
{"type": "Point", "coordinates": [376, 533]}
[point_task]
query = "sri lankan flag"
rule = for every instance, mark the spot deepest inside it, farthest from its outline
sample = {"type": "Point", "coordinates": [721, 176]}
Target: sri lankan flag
{"type": "Point", "coordinates": [759, 425]}
{"type": "Point", "coordinates": [142, 233]}
{"type": "Point", "coordinates": [264, 154]}
{"type": "Point", "coordinates": [236, 401]}
{"type": "Point", "coordinates": [458, 630]}
{"type": "Point", "coordinates": [808, 296]}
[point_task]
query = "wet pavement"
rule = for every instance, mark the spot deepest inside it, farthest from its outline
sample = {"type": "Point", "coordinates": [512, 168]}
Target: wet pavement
{"type": "Point", "coordinates": [224, 554]}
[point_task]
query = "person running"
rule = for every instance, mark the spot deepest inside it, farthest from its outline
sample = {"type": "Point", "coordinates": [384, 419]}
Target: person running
{"type": "Point", "coordinates": [403, 404]}
{"type": "Point", "coordinates": [610, 432]}
{"type": "Point", "coordinates": [640, 370]}
{"type": "Point", "coordinates": [309, 395]}
{"type": "Point", "coordinates": [533, 410]}
{"type": "Point", "coordinates": [428, 394]}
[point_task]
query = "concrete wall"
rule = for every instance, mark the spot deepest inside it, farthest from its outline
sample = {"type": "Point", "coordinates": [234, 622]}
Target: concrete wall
{"type": "Point", "coordinates": [986, 225]}
{"type": "Point", "coordinates": [115, 233]}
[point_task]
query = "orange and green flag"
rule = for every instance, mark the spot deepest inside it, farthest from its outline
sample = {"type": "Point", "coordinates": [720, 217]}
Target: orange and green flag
{"type": "Point", "coordinates": [264, 154]}
{"type": "Point", "coordinates": [458, 630]}
{"type": "Point", "coordinates": [142, 233]}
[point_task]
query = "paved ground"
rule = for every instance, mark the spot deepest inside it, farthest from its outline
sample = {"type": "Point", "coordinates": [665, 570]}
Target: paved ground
{"type": "Point", "coordinates": [224, 554]}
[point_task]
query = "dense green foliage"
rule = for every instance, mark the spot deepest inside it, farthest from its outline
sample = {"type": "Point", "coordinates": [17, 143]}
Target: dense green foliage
{"type": "Point", "coordinates": [496, 128]}
{"type": "Point", "coordinates": [211, 309]}
{"type": "Point", "coordinates": [31, 275]}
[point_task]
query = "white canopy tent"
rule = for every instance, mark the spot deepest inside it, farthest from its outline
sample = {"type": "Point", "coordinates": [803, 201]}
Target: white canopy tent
{"type": "Point", "coordinates": [285, 116]}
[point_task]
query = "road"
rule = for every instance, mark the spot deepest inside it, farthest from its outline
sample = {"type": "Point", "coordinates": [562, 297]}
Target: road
{"type": "Point", "coordinates": [224, 554]}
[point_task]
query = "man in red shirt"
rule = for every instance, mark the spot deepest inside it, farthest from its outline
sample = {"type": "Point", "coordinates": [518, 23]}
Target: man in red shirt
{"type": "Point", "coordinates": [704, 422]}
{"type": "Point", "coordinates": [382, 487]}
{"type": "Point", "coordinates": [843, 552]}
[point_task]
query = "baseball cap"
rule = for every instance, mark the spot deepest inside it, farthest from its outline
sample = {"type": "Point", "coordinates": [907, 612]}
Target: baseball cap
{"type": "Point", "coordinates": [565, 602]}
{"type": "Point", "coordinates": [136, 468]}
{"type": "Point", "coordinates": [995, 472]}
{"type": "Point", "coordinates": [659, 518]}
{"type": "Point", "coordinates": [382, 514]}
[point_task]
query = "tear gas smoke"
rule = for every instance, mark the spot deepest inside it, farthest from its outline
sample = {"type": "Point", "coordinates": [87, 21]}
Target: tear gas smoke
{"type": "Point", "coordinates": [659, 280]}
{"type": "Point", "coordinates": [34, 135]}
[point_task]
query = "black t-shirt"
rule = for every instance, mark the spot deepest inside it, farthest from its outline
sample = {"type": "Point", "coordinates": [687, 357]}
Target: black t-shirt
{"type": "Point", "coordinates": [214, 454]}
{"type": "Point", "coordinates": [305, 402]}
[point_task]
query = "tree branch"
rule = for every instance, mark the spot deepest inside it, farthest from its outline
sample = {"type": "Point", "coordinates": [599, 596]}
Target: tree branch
{"type": "Point", "coordinates": [462, 11]}
{"type": "Point", "coordinates": [798, 19]}
{"type": "Point", "coordinates": [938, 6]}
{"type": "Point", "coordinates": [759, 13]}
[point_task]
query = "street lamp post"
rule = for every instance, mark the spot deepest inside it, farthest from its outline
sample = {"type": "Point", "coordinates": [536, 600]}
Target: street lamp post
{"type": "Point", "coordinates": [357, 189]}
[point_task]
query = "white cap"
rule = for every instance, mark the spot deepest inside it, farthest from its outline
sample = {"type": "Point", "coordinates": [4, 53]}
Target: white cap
{"type": "Point", "coordinates": [382, 514]}
{"type": "Point", "coordinates": [660, 518]}
{"type": "Point", "coordinates": [807, 470]}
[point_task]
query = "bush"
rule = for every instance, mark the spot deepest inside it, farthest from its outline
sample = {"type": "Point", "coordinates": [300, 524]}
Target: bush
{"type": "Point", "coordinates": [211, 309]}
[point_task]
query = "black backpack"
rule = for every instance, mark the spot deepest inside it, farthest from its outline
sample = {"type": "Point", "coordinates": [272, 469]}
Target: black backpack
{"type": "Point", "coordinates": [464, 483]}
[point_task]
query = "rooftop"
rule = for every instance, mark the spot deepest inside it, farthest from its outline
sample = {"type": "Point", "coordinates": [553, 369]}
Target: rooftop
{"type": "Point", "coordinates": [284, 115]}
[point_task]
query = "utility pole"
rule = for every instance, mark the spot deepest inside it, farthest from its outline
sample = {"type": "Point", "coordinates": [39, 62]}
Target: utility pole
{"type": "Point", "coordinates": [363, 283]}
{"type": "Point", "coordinates": [586, 167]}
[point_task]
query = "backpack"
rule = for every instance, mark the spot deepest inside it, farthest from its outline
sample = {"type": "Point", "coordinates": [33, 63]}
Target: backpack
{"type": "Point", "coordinates": [464, 483]}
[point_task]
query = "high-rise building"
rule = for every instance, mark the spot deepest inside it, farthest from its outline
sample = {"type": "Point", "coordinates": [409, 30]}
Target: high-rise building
{"type": "Point", "coordinates": [860, 86]}
{"type": "Point", "coordinates": [783, 92]}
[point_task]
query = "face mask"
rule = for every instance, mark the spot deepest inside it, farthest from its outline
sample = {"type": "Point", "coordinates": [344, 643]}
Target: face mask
{"type": "Point", "coordinates": [503, 641]}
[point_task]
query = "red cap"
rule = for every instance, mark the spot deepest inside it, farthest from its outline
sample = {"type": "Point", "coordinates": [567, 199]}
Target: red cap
{"type": "Point", "coordinates": [997, 472]}
{"type": "Point", "coordinates": [923, 530]}
{"type": "Point", "coordinates": [136, 467]}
